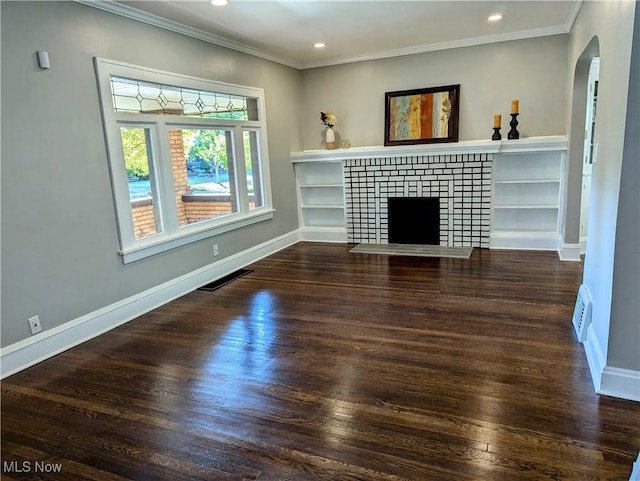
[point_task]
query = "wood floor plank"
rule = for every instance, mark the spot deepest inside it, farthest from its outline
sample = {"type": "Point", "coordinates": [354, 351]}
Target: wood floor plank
{"type": "Point", "coordinates": [329, 365]}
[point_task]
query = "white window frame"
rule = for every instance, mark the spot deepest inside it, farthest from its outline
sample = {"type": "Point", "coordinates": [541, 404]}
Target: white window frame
{"type": "Point", "coordinates": [173, 235]}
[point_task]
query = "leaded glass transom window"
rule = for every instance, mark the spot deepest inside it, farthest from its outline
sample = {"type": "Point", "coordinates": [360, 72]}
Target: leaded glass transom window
{"type": "Point", "coordinates": [142, 97]}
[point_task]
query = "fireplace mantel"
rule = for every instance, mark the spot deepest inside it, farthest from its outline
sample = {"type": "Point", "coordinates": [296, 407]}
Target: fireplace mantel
{"type": "Point", "coordinates": [532, 144]}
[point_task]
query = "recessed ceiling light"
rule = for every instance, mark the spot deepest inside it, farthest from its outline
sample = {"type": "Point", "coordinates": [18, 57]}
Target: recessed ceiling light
{"type": "Point", "coordinates": [495, 18]}
{"type": "Point", "coordinates": [219, 3]}
{"type": "Point", "coordinates": [319, 45]}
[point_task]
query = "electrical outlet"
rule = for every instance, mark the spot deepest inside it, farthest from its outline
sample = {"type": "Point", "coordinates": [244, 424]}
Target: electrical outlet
{"type": "Point", "coordinates": [216, 252]}
{"type": "Point", "coordinates": [34, 324]}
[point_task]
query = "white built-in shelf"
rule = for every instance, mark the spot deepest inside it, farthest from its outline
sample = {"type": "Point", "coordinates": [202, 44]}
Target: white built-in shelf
{"type": "Point", "coordinates": [524, 194]}
{"type": "Point", "coordinates": [551, 143]}
{"type": "Point", "coordinates": [527, 199]}
{"type": "Point", "coordinates": [517, 222]}
{"type": "Point", "coordinates": [530, 181]}
{"type": "Point", "coordinates": [323, 206]}
{"type": "Point", "coordinates": [526, 206]}
{"type": "Point", "coordinates": [321, 200]}
{"type": "Point", "coordinates": [315, 186]}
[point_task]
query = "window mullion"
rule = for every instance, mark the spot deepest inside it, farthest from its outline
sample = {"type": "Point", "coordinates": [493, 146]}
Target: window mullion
{"type": "Point", "coordinates": [168, 193]}
{"type": "Point", "coordinates": [241, 170]}
{"type": "Point", "coordinates": [155, 177]}
{"type": "Point", "coordinates": [119, 182]}
{"type": "Point", "coordinates": [265, 171]}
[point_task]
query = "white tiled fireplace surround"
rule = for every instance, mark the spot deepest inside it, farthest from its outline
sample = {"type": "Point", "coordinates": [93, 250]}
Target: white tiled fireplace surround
{"type": "Point", "coordinates": [462, 183]}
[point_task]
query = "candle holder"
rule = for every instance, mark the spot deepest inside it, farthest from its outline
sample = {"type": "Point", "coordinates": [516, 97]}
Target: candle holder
{"type": "Point", "coordinates": [496, 134]}
{"type": "Point", "coordinates": [513, 133]}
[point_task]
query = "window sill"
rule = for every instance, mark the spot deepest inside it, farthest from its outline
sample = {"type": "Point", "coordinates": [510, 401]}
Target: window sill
{"type": "Point", "coordinates": [211, 198]}
{"type": "Point", "coordinates": [194, 234]}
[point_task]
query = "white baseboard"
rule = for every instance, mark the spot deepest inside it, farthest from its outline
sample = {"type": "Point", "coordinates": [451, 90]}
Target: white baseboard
{"type": "Point", "coordinates": [595, 357]}
{"type": "Point", "coordinates": [622, 383]}
{"type": "Point", "coordinates": [35, 349]}
{"type": "Point", "coordinates": [323, 234]}
{"type": "Point", "coordinates": [608, 380]}
{"type": "Point", "coordinates": [583, 245]}
{"type": "Point", "coordinates": [570, 252]}
{"type": "Point", "coordinates": [525, 241]}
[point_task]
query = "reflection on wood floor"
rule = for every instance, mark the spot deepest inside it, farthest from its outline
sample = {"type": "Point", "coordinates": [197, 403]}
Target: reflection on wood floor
{"type": "Point", "coordinates": [329, 365]}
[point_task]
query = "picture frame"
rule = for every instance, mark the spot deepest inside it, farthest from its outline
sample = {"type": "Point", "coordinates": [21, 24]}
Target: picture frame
{"type": "Point", "coordinates": [422, 116]}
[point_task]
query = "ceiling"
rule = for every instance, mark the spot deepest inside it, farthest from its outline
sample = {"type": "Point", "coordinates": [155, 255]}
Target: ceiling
{"type": "Point", "coordinates": [286, 30]}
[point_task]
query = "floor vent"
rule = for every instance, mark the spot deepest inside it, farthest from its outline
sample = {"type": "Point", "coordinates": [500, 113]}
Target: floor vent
{"type": "Point", "coordinates": [582, 313]}
{"type": "Point", "coordinates": [223, 281]}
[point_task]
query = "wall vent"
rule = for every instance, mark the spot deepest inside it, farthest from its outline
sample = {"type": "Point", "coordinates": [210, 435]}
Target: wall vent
{"type": "Point", "coordinates": [223, 281]}
{"type": "Point", "coordinates": [582, 313]}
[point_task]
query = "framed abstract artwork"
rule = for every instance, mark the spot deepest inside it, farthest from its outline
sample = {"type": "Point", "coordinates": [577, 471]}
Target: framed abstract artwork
{"type": "Point", "coordinates": [421, 116]}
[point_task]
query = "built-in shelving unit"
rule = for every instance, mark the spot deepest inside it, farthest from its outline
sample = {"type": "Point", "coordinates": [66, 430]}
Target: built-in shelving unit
{"type": "Point", "coordinates": [527, 199]}
{"type": "Point", "coordinates": [528, 188]}
{"type": "Point", "coordinates": [321, 200]}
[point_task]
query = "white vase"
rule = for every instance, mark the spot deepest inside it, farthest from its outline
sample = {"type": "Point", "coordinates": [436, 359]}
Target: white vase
{"type": "Point", "coordinates": [331, 138]}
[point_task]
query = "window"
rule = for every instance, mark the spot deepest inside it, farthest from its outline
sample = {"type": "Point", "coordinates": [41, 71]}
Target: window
{"type": "Point", "coordinates": [188, 156]}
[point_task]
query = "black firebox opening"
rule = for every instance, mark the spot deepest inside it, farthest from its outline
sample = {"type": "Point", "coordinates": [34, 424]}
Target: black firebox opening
{"type": "Point", "coordinates": [414, 220]}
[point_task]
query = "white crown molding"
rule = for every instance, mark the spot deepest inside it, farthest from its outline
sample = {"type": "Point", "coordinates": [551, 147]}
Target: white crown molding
{"type": "Point", "coordinates": [148, 18]}
{"type": "Point", "coordinates": [573, 14]}
{"type": "Point", "coordinates": [433, 47]}
{"type": "Point", "coordinates": [156, 21]}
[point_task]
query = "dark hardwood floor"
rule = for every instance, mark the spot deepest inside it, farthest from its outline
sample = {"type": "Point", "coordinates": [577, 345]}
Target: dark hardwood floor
{"type": "Point", "coordinates": [327, 365]}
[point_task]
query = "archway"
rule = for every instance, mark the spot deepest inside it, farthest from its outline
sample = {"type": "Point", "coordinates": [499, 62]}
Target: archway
{"type": "Point", "coordinates": [577, 145]}
{"type": "Point", "coordinates": [590, 150]}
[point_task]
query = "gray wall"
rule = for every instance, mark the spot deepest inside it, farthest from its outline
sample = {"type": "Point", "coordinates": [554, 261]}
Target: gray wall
{"type": "Point", "coordinates": [59, 235]}
{"type": "Point", "coordinates": [624, 337]}
{"type": "Point", "coordinates": [490, 76]}
{"type": "Point", "coordinates": [612, 24]}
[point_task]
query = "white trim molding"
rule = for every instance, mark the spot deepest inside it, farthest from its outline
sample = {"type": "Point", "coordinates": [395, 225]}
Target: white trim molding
{"type": "Point", "coordinates": [324, 234]}
{"type": "Point", "coordinates": [26, 353]}
{"type": "Point", "coordinates": [156, 21]}
{"type": "Point", "coordinates": [534, 241]}
{"type": "Point", "coordinates": [621, 383]}
{"type": "Point", "coordinates": [551, 143]}
{"type": "Point", "coordinates": [435, 47]}
{"type": "Point", "coordinates": [595, 357]}
{"type": "Point", "coordinates": [570, 252]}
{"type": "Point", "coordinates": [609, 380]}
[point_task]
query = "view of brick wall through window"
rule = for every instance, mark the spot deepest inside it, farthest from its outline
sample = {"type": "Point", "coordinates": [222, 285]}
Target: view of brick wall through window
{"type": "Point", "coordinates": [179, 166]}
{"type": "Point", "coordinates": [190, 207]}
{"type": "Point", "coordinates": [143, 217]}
